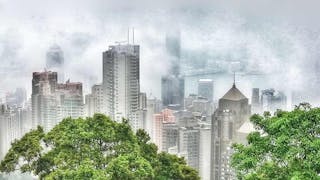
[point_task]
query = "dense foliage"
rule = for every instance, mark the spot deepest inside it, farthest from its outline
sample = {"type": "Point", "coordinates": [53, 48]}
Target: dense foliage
{"type": "Point", "coordinates": [93, 148]}
{"type": "Point", "coordinates": [287, 146]}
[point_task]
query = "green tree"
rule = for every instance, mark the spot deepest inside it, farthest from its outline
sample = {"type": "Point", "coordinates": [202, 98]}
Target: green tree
{"type": "Point", "coordinates": [287, 146]}
{"type": "Point", "coordinates": [93, 148]}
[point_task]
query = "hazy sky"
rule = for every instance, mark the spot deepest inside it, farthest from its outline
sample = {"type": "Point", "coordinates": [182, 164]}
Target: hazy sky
{"type": "Point", "coordinates": [277, 37]}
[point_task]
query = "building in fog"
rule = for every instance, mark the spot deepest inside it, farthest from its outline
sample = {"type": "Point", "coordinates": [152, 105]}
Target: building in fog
{"type": "Point", "coordinates": [52, 101]}
{"type": "Point", "coordinates": [172, 90]}
{"type": "Point", "coordinates": [205, 88]}
{"type": "Point", "coordinates": [154, 106]}
{"type": "Point", "coordinates": [69, 100]}
{"type": "Point", "coordinates": [272, 100]}
{"type": "Point", "coordinates": [55, 61]}
{"type": "Point", "coordinates": [255, 101]}
{"type": "Point", "coordinates": [172, 84]}
{"type": "Point", "coordinates": [10, 127]}
{"type": "Point", "coordinates": [43, 99]}
{"type": "Point", "coordinates": [121, 83]}
{"type": "Point", "coordinates": [165, 116]}
{"type": "Point", "coordinates": [233, 111]}
{"type": "Point", "coordinates": [205, 151]}
{"type": "Point", "coordinates": [94, 101]}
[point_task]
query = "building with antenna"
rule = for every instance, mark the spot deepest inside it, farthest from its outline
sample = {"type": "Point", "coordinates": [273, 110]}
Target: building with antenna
{"type": "Point", "coordinates": [121, 83]}
{"type": "Point", "coordinates": [233, 111]}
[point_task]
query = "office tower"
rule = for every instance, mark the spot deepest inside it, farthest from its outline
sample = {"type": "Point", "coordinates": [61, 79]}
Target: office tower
{"type": "Point", "coordinates": [172, 84]}
{"type": "Point", "coordinates": [69, 100]}
{"type": "Point", "coordinates": [170, 135]}
{"type": "Point", "coordinates": [205, 88]}
{"type": "Point", "coordinates": [205, 151]}
{"type": "Point", "coordinates": [165, 116]}
{"type": "Point", "coordinates": [173, 48]}
{"type": "Point", "coordinates": [10, 127]}
{"type": "Point", "coordinates": [233, 111]}
{"type": "Point", "coordinates": [272, 101]}
{"type": "Point", "coordinates": [44, 104]}
{"type": "Point", "coordinates": [255, 101]}
{"type": "Point", "coordinates": [154, 106]}
{"type": "Point", "coordinates": [189, 145]}
{"type": "Point", "coordinates": [121, 83]}
{"type": "Point", "coordinates": [172, 90]}
{"type": "Point", "coordinates": [55, 61]}
{"type": "Point", "coordinates": [94, 101]}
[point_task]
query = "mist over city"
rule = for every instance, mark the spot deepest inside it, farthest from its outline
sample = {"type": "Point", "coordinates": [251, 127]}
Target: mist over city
{"type": "Point", "coordinates": [189, 73]}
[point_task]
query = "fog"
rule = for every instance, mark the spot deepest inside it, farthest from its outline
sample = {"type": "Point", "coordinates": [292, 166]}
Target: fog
{"type": "Point", "coordinates": [277, 39]}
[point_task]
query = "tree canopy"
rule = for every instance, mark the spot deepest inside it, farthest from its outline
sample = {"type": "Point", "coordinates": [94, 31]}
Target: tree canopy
{"type": "Point", "coordinates": [286, 146]}
{"type": "Point", "coordinates": [93, 148]}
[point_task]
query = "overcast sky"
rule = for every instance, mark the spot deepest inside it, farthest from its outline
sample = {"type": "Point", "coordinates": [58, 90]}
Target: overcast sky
{"type": "Point", "coordinates": [279, 37]}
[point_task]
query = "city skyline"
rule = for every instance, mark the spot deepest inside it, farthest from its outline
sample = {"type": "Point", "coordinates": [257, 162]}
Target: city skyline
{"type": "Point", "coordinates": [208, 35]}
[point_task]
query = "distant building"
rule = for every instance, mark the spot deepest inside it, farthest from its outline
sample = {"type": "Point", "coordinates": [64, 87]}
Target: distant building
{"type": "Point", "coordinates": [10, 127]}
{"type": "Point", "coordinates": [233, 111]}
{"type": "Point", "coordinates": [189, 143]}
{"type": "Point", "coordinates": [44, 104]}
{"type": "Point", "coordinates": [205, 151]}
{"type": "Point", "coordinates": [121, 83]}
{"type": "Point", "coordinates": [255, 101]}
{"type": "Point", "coordinates": [55, 61]}
{"type": "Point", "coordinates": [172, 90]}
{"type": "Point", "coordinates": [205, 89]}
{"type": "Point", "coordinates": [272, 101]}
{"type": "Point", "coordinates": [51, 101]}
{"type": "Point", "coordinates": [94, 101]}
{"type": "Point", "coordinates": [69, 100]}
{"type": "Point", "coordinates": [165, 116]}
{"type": "Point", "coordinates": [172, 84]}
{"type": "Point", "coordinates": [154, 106]}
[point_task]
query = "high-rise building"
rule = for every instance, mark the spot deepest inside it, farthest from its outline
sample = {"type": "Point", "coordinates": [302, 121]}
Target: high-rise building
{"type": "Point", "coordinates": [255, 101]}
{"type": "Point", "coordinates": [189, 144]}
{"type": "Point", "coordinates": [10, 127]}
{"type": "Point", "coordinates": [121, 83]}
{"type": "Point", "coordinates": [272, 101]}
{"type": "Point", "coordinates": [205, 151]}
{"type": "Point", "coordinates": [69, 100]}
{"type": "Point", "coordinates": [55, 61]}
{"type": "Point", "coordinates": [154, 106]}
{"type": "Point", "coordinates": [233, 111]}
{"type": "Point", "coordinates": [205, 88]}
{"type": "Point", "coordinates": [173, 47]}
{"type": "Point", "coordinates": [172, 84]}
{"type": "Point", "coordinates": [44, 104]}
{"type": "Point", "coordinates": [165, 116]}
{"type": "Point", "coordinates": [94, 101]}
{"type": "Point", "coordinates": [172, 90]}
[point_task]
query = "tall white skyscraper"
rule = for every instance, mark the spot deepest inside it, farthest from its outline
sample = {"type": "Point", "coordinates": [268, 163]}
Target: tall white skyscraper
{"type": "Point", "coordinates": [121, 83]}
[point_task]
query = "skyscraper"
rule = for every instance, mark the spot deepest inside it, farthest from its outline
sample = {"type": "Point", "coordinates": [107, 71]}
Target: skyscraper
{"type": "Point", "coordinates": [172, 90]}
{"type": "Point", "coordinates": [121, 83]}
{"type": "Point", "coordinates": [69, 100]}
{"type": "Point", "coordinates": [232, 112]}
{"type": "Point", "coordinates": [172, 84]}
{"type": "Point", "coordinates": [55, 61]}
{"type": "Point", "coordinates": [272, 100]}
{"type": "Point", "coordinates": [205, 88]}
{"type": "Point", "coordinates": [255, 101]}
{"type": "Point", "coordinates": [44, 104]}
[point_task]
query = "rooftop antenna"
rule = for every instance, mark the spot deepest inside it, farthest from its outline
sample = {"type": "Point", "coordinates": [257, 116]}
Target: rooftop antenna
{"type": "Point", "coordinates": [132, 35]}
{"type": "Point", "coordinates": [234, 79]}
